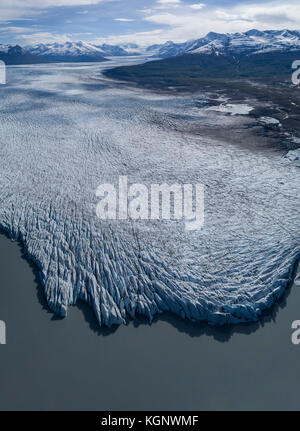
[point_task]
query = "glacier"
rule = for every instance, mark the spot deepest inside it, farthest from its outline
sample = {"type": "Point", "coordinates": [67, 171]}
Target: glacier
{"type": "Point", "coordinates": [65, 129]}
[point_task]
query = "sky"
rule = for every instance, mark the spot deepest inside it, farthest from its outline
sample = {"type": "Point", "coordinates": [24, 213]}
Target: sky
{"type": "Point", "coordinates": [144, 22]}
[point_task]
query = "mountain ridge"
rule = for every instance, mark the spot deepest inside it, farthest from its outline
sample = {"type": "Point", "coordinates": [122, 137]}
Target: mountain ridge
{"type": "Point", "coordinates": [251, 42]}
{"type": "Point", "coordinates": [75, 50]}
{"type": "Point", "coordinates": [15, 54]}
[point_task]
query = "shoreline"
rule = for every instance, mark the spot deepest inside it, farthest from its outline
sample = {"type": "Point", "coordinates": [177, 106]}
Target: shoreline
{"type": "Point", "coordinates": [168, 316]}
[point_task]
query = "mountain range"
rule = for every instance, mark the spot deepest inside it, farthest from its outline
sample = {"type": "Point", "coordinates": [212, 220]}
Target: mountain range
{"type": "Point", "coordinates": [76, 51]}
{"type": "Point", "coordinates": [251, 55]}
{"type": "Point", "coordinates": [15, 54]}
{"type": "Point", "coordinates": [64, 52]}
{"type": "Point", "coordinates": [252, 42]}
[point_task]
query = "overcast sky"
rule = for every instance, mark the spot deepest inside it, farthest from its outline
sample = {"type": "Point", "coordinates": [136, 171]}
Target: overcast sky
{"type": "Point", "coordinates": [140, 21]}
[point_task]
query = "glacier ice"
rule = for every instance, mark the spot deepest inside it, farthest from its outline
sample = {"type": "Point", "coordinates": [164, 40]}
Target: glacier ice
{"type": "Point", "coordinates": [270, 121]}
{"type": "Point", "coordinates": [58, 145]}
{"type": "Point", "coordinates": [232, 109]}
{"type": "Point", "coordinates": [294, 156]}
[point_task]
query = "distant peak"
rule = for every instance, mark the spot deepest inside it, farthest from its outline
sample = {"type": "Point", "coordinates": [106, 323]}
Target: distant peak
{"type": "Point", "coordinates": [254, 32]}
{"type": "Point", "coordinates": [212, 35]}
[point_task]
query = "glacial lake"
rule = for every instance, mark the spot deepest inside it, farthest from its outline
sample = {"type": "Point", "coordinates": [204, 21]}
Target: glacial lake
{"type": "Point", "coordinates": [54, 364]}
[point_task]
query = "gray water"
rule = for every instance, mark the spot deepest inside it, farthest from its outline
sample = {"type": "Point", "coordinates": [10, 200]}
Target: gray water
{"type": "Point", "coordinates": [54, 364]}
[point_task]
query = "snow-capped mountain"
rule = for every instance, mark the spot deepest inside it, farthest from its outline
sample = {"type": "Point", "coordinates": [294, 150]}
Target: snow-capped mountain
{"type": "Point", "coordinates": [121, 50]}
{"type": "Point", "coordinates": [68, 51]}
{"type": "Point", "coordinates": [168, 49]}
{"type": "Point", "coordinates": [76, 51]}
{"type": "Point", "coordinates": [251, 55]}
{"type": "Point", "coordinates": [111, 50]}
{"type": "Point", "coordinates": [4, 48]}
{"type": "Point", "coordinates": [250, 42]}
{"type": "Point", "coordinates": [133, 49]}
{"type": "Point", "coordinates": [15, 54]}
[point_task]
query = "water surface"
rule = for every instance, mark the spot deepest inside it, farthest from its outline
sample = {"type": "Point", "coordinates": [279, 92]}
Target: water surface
{"type": "Point", "coordinates": [56, 364]}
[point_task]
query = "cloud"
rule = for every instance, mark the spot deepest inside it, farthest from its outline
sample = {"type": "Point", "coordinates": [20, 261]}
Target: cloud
{"type": "Point", "coordinates": [183, 24]}
{"type": "Point", "coordinates": [31, 4]}
{"type": "Point", "coordinates": [142, 38]}
{"type": "Point", "coordinates": [15, 29]}
{"type": "Point", "coordinates": [44, 37]}
{"type": "Point", "coordinates": [167, 4]}
{"type": "Point", "coordinates": [124, 19]}
{"type": "Point", "coordinates": [164, 20]}
{"type": "Point", "coordinates": [168, 1]}
{"type": "Point", "coordinates": [271, 11]}
{"type": "Point", "coordinates": [20, 9]}
{"type": "Point", "coordinates": [197, 6]}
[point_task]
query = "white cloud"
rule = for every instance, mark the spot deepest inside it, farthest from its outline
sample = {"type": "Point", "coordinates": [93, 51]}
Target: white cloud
{"type": "Point", "coordinates": [19, 9]}
{"type": "Point", "coordinates": [146, 11]}
{"type": "Point", "coordinates": [197, 6]}
{"type": "Point", "coordinates": [47, 3]}
{"type": "Point", "coordinates": [124, 19]}
{"type": "Point", "coordinates": [44, 37]}
{"type": "Point", "coordinates": [15, 29]}
{"type": "Point", "coordinates": [166, 18]}
{"type": "Point", "coordinates": [142, 38]}
{"type": "Point", "coordinates": [174, 19]}
{"type": "Point", "coordinates": [167, 4]}
{"type": "Point", "coordinates": [168, 1]}
{"type": "Point", "coordinates": [286, 12]}
{"type": "Point", "coordinates": [183, 24]}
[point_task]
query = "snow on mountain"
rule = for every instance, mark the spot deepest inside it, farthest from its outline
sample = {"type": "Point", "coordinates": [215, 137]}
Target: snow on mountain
{"type": "Point", "coordinates": [15, 54]}
{"type": "Point", "coordinates": [4, 48]}
{"type": "Point", "coordinates": [213, 47]}
{"type": "Point", "coordinates": [112, 50]}
{"type": "Point", "coordinates": [253, 42]}
{"type": "Point", "coordinates": [250, 42]}
{"type": "Point", "coordinates": [132, 49]}
{"type": "Point", "coordinates": [68, 50]}
{"type": "Point", "coordinates": [75, 50]}
{"type": "Point", "coordinates": [12, 48]}
{"type": "Point", "coordinates": [169, 49]}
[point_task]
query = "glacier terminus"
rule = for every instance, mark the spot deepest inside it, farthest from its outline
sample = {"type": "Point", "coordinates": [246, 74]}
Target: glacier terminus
{"type": "Point", "coordinates": [65, 129]}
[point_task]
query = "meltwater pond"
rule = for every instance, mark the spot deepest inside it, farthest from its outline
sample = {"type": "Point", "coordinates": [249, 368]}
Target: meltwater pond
{"type": "Point", "coordinates": [65, 129]}
{"type": "Point", "coordinates": [59, 364]}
